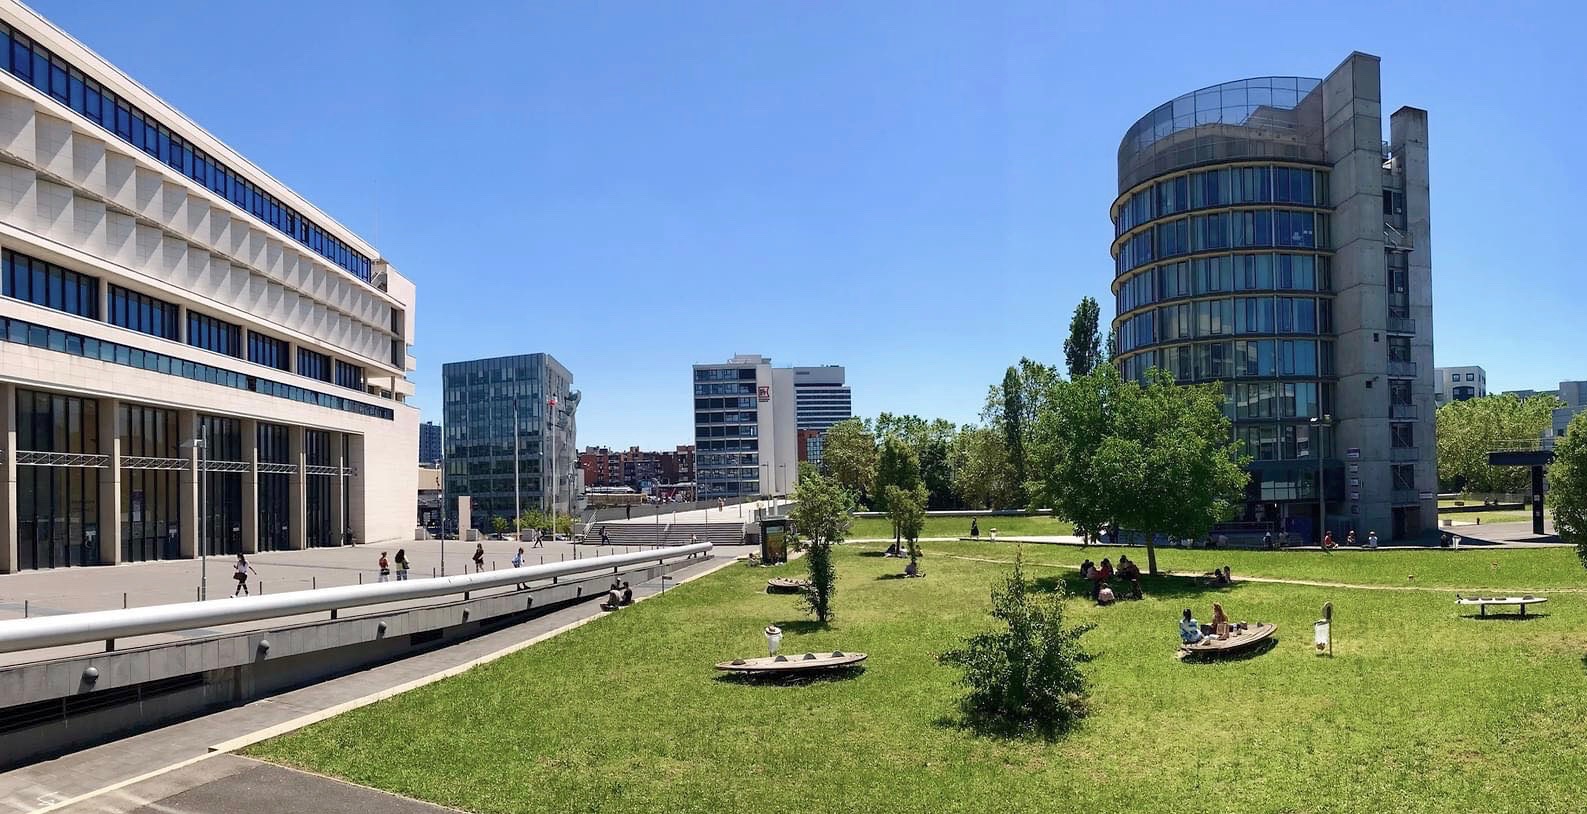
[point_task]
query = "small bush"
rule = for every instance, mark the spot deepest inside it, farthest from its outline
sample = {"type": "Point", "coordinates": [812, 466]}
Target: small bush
{"type": "Point", "coordinates": [1024, 678]}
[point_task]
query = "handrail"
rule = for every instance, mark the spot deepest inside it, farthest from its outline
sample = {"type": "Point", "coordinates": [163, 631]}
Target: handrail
{"type": "Point", "coordinates": [77, 628]}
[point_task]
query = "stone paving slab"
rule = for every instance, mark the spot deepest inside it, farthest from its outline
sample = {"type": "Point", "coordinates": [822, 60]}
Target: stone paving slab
{"type": "Point", "coordinates": [45, 785]}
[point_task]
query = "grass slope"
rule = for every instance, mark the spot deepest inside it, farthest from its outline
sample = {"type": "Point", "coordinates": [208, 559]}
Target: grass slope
{"type": "Point", "coordinates": [877, 528]}
{"type": "Point", "coordinates": [1422, 710]}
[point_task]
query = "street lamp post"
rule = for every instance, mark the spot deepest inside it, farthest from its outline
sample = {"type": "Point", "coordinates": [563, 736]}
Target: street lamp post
{"type": "Point", "coordinates": [517, 488]}
{"type": "Point", "coordinates": [1322, 507]}
{"type": "Point", "coordinates": [200, 444]}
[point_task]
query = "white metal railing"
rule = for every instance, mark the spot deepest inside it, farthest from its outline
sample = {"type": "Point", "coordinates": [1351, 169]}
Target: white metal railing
{"type": "Point", "coordinates": [109, 625]}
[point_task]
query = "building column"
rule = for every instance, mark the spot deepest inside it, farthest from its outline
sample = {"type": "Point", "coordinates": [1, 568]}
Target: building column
{"type": "Point", "coordinates": [250, 487]}
{"type": "Point", "coordinates": [8, 478]}
{"type": "Point", "coordinates": [338, 490]}
{"type": "Point", "coordinates": [187, 495]}
{"type": "Point", "coordinates": [110, 482]}
{"type": "Point", "coordinates": [297, 491]}
{"type": "Point", "coordinates": [356, 508]}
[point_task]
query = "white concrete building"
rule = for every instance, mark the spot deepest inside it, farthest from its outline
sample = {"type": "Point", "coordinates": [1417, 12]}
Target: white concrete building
{"type": "Point", "coordinates": [160, 287]}
{"type": "Point", "coordinates": [1459, 383]}
{"type": "Point", "coordinates": [745, 428]}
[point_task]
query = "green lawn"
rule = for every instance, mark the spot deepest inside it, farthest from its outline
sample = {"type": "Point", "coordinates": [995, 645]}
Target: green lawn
{"type": "Point", "coordinates": [866, 528]}
{"type": "Point", "coordinates": [1421, 710]}
{"type": "Point", "coordinates": [1486, 517]}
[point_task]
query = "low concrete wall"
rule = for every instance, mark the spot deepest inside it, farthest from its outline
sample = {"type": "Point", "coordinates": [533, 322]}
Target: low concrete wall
{"type": "Point", "coordinates": [51, 707]}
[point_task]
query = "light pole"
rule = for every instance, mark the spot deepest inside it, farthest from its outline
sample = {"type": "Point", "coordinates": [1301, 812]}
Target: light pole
{"type": "Point", "coordinates": [1322, 509]}
{"type": "Point", "coordinates": [517, 488]}
{"type": "Point", "coordinates": [550, 453]}
{"type": "Point", "coordinates": [200, 443]}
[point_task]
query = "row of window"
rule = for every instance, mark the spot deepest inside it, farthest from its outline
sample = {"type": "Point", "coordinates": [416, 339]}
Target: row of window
{"type": "Point", "coordinates": [728, 431]}
{"type": "Point", "coordinates": [1251, 401]}
{"type": "Point", "coordinates": [748, 417]}
{"type": "Point", "coordinates": [314, 365]}
{"type": "Point", "coordinates": [1228, 186]}
{"type": "Point", "coordinates": [728, 459]}
{"type": "Point", "coordinates": [52, 75]}
{"type": "Point", "coordinates": [725, 374]}
{"type": "Point", "coordinates": [41, 283]}
{"type": "Point", "coordinates": [1243, 358]}
{"type": "Point", "coordinates": [1223, 230]}
{"type": "Point", "coordinates": [1227, 317]}
{"type": "Point", "coordinates": [730, 389]}
{"type": "Point", "coordinates": [49, 285]}
{"type": "Point", "coordinates": [39, 336]}
{"type": "Point", "coordinates": [719, 404]}
{"type": "Point", "coordinates": [1277, 442]}
{"type": "Point", "coordinates": [740, 444]}
{"type": "Point", "coordinates": [211, 334]}
{"type": "Point", "coordinates": [1223, 274]}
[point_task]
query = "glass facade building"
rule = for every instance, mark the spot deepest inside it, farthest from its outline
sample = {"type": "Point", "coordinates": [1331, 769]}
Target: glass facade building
{"type": "Point", "coordinates": [1232, 265]}
{"type": "Point", "coordinates": [479, 437]}
{"type": "Point", "coordinates": [156, 288]}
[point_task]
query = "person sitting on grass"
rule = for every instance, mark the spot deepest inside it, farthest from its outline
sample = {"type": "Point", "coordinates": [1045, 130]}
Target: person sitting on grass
{"type": "Point", "coordinates": [1189, 629]}
{"type": "Point", "coordinates": [628, 594]}
{"type": "Point", "coordinates": [614, 600]}
{"type": "Point", "coordinates": [1095, 574]}
{"type": "Point", "coordinates": [1130, 573]}
{"type": "Point", "coordinates": [1105, 595]}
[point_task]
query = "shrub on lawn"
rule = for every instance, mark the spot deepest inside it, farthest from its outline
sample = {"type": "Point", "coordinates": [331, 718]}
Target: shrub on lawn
{"type": "Point", "coordinates": [821, 515]}
{"type": "Point", "coordinates": [1025, 677]}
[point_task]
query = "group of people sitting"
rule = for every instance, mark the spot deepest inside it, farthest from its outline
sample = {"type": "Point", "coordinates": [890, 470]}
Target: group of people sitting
{"type": "Point", "coordinates": [1101, 577]}
{"type": "Point", "coordinates": [1220, 577]}
{"type": "Point", "coordinates": [1191, 631]}
{"type": "Point", "coordinates": [618, 596]}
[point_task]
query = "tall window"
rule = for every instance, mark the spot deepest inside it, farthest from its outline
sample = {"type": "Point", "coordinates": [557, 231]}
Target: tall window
{"type": "Point", "coordinates": [268, 351]}
{"type": "Point", "coordinates": [349, 375]}
{"type": "Point", "coordinates": [57, 506]}
{"type": "Point", "coordinates": [314, 365]}
{"type": "Point", "coordinates": [212, 334]}
{"type": "Point", "coordinates": [275, 531]}
{"type": "Point", "coordinates": [143, 313]}
{"type": "Point", "coordinates": [222, 514]}
{"type": "Point", "coordinates": [150, 522]}
{"type": "Point", "coordinates": [49, 285]}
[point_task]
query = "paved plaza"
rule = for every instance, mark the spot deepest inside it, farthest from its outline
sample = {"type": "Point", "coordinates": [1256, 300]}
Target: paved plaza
{"type": "Point", "coordinates": [744, 512]}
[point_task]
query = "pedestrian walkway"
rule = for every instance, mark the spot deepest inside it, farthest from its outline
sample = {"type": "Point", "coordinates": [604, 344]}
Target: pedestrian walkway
{"type": "Point", "coordinates": [70, 782]}
{"type": "Point", "coordinates": [735, 513]}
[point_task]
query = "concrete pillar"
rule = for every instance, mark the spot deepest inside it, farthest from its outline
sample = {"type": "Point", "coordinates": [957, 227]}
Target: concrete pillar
{"type": "Point", "coordinates": [8, 478]}
{"type": "Point", "coordinates": [187, 492]}
{"type": "Point", "coordinates": [110, 482]}
{"type": "Point", "coordinates": [338, 490]}
{"type": "Point", "coordinates": [250, 486]}
{"type": "Point", "coordinates": [357, 520]}
{"type": "Point", "coordinates": [297, 490]}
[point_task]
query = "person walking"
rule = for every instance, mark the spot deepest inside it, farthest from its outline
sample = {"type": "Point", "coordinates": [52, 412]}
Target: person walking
{"type": "Point", "coordinates": [242, 568]}
{"type": "Point", "coordinates": [402, 565]}
{"type": "Point", "coordinates": [535, 536]}
{"type": "Point", "coordinates": [975, 529]}
{"type": "Point", "coordinates": [479, 557]}
{"type": "Point", "coordinates": [385, 568]}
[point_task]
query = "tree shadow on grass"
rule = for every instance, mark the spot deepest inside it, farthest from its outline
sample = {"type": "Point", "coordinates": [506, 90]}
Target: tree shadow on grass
{"type": "Point", "coordinates": [881, 553]}
{"type": "Point", "coordinates": [1505, 617]}
{"type": "Point", "coordinates": [803, 626]}
{"type": "Point", "coordinates": [1161, 586]}
{"type": "Point", "coordinates": [792, 679]}
{"type": "Point", "coordinates": [970, 722]}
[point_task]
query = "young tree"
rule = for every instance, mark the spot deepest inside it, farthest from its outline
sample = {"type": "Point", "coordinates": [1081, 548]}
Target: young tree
{"type": "Point", "coordinates": [982, 475]}
{"type": "Point", "coordinates": [1567, 485]}
{"type": "Point", "coordinates": [932, 442]}
{"type": "Point", "coordinates": [821, 515]}
{"type": "Point", "coordinates": [1014, 423]}
{"type": "Point", "coordinates": [1012, 407]}
{"type": "Point", "coordinates": [1083, 348]}
{"type": "Point", "coordinates": [499, 524]}
{"type": "Point", "coordinates": [1024, 677]}
{"type": "Point", "coordinates": [564, 524]}
{"type": "Point", "coordinates": [807, 470]}
{"type": "Point", "coordinates": [897, 465]}
{"type": "Point", "coordinates": [1469, 430]}
{"type": "Point", "coordinates": [532, 519]}
{"type": "Point", "coordinates": [906, 507]}
{"type": "Point", "coordinates": [848, 453]}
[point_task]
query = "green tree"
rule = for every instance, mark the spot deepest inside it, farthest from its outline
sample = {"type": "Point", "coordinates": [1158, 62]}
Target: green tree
{"type": "Point", "coordinates": [1012, 407]}
{"type": "Point", "coordinates": [807, 470]}
{"type": "Point", "coordinates": [848, 453]}
{"type": "Point", "coordinates": [532, 519]}
{"type": "Point", "coordinates": [932, 442]}
{"type": "Point", "coordinates": [1014, 423]}
{"type": "Point", "coordinates": [1083, 348]}
{"type": "Point", "coordinates": [1567, 485]}
{"type": "Point", "coordinates": [906, 507]}
{"type": "Point", "coordinates": [821, 515]}
{"type": "Point", "coordinates": [564, 524]}
{"type": "Point", "coordinates": [897, 465]}
{"type": "Point", "coordinates": [1469, 430]}
{"type": "Point", "coordinates": [499, 524]}
{"type": "Point", "coordinates": [983, 477]}
{"type": "Point", "coordinates": [1112, 351]}
{"type": "Point", "coordinates": [1023, 677]}
{"type": "Point", "coordinates": [1154, 458]}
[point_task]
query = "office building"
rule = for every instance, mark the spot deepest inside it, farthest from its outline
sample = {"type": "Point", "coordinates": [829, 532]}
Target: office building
{"type": "Point", "coordinates": [820, 397]}
{"type": "Point", "coordinates": [159, 288]}
{"type": "Point", "coordinates": [478, 437]}
{"type": "Point", "coordinates": [430, 443]}
{"type": "Point", "coordinates": [745, 428]}
{"type": "Point", "coordinates": [1267, 237]}
{"type": "Point", "coordinates": [1459, 383]}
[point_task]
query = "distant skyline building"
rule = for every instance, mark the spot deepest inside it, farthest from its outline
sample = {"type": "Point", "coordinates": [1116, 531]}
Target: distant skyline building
{"type": "Point", "coordinates": [429, 443]}
{"type": "Point", "coordinates": [1267, 237]}
{"type": "Point", "coordinates": [1459, 383]}
{"type": "Point", "coordinates": [745, 427]}
{"type": "Point", "coordinates": [821, 397]}
{"type": "Point", "coordinates": [635, 468]}
{"type": "Point", "coordinates": [478, 439]}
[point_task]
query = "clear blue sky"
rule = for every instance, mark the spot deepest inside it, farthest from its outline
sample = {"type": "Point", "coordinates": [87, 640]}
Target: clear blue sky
{"type": "Point", "coordinates": [917, 192]}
